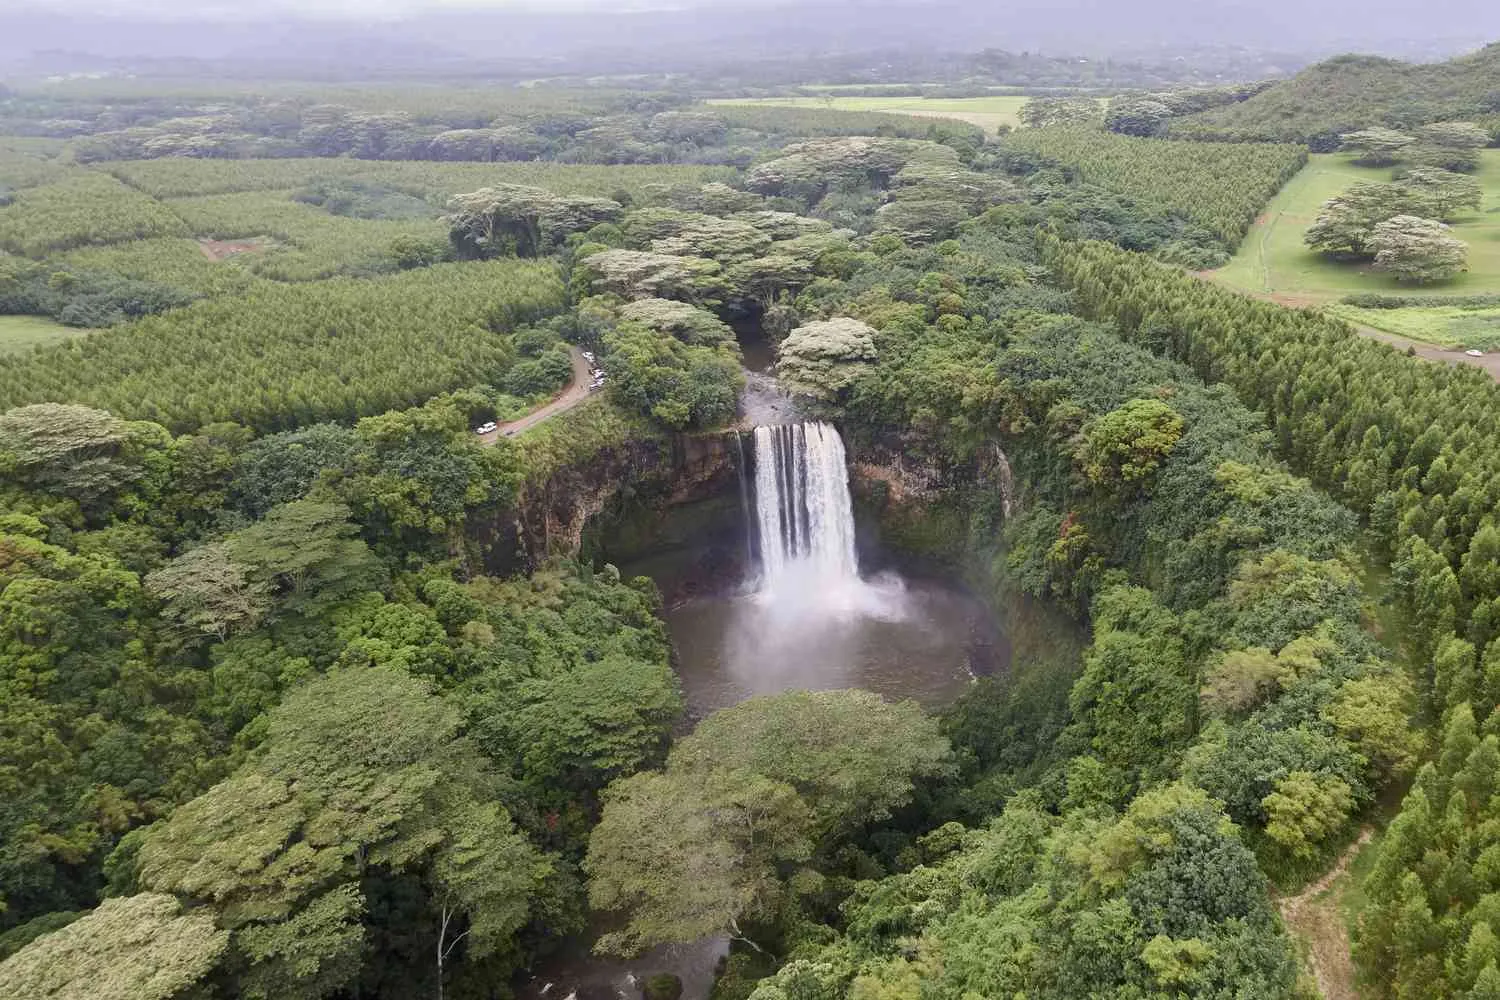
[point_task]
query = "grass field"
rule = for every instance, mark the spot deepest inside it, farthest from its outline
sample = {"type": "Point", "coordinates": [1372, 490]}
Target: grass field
{"type": "Point", "coordinates": [19, 334]}
{"type": "Point", "coordinates": [989, 113]}
{"type": "Point", "coordinates": [1445, 326]}
{"type": "Point", "coordinates": [1273, 260]}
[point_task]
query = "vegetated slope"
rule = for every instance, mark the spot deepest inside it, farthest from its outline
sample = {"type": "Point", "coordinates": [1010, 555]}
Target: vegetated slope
{"type": "Point", "coordinates": [1353, 92]}
{"type": "Point", "coordinates": [1404, 442]}
{"type": "Point", "coordinates": [1220, 186]}
{"type": "Point", "coordinates": [1190, 521]}
{"type": "Point", "coordinates": [283, 356]}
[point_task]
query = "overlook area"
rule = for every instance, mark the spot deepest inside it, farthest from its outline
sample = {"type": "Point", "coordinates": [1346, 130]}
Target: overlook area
{"type": "Point", "coordinates": [747, 520]}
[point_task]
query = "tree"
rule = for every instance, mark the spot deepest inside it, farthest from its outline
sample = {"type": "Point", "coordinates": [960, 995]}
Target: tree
{"type": "Point", "coordinates": [524, 221]}
{"type": "Point", "coordinates": [1373, 712]}
{"type": "Point", "coordinates": [206, 592]}
{"type": "Point", "coordinates": [1241, 680]}
{"type": "Point", "coordinates": [1450, 146]}
{"type": "Point", "coordinates": [1139, 116]}
{"type": "Point", "coordinates": [306, 553]}
{"type": "Point", "coordinates": [715, 856]}
{"type": "Point", "coordinates": [1127, 444]}
{"type": "Point", "coordinates": [1417, 249]}
{"type": "Point", "coordinates": [1133, 704]}
{"type": "Point", "coordinates": [1039, 112]}
{"type": "Point", "coordinates": [1446, 191]}
{"type": "Point", "coordinates": [1305, 810]}
{"type": "Point", "coordinates": [362, 770]}
{"type": "Point", "coordinates": [641, 274]}
{"type": "Point", "coordinates": [826, 357]}
{"type": "Point", "coordinates": [73, 451]}
{"type": "Point", "coordinates": [143, 947]}
{"type": "Point", "coordinates": [850, 755]}
{"type": "Point", "coordinates": [743, 801]}
{"type": "Point", "coordinates": [1377, 147]}
{"type": "Point", "coordinates": [692, 234]}
{"type": "Point", "coordinates": [686, 322]}
{"type": "Point", "coordinates": [1347, 221]}
{"type": "Point", "coordinates": [678, 384]}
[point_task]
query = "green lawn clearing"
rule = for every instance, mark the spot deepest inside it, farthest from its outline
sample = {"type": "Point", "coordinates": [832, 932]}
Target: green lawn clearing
{"type": "Point", "coordinates": [1273, 260]}
{"type": "Point", "coordinates": [1446, 326]}
{"type": "Point", "coordinates": [22, 333]}
{"type": "Point", "coordinates": [989, 113]}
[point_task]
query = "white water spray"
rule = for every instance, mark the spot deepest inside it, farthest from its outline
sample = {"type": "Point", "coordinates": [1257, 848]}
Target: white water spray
{"type": "Point", "coordinates": [804, 519]}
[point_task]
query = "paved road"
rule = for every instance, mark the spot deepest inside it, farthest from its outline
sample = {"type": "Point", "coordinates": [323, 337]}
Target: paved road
{"type": "Point", "coordinates": [570, 397]}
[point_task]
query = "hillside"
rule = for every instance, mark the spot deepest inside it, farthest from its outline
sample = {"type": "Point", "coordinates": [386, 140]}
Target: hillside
{"type": "Point", "coordinates": [1352, 92]}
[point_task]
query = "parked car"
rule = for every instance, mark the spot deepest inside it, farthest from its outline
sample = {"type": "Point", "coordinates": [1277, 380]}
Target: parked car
{"type": "Point", "coordinates": [485, 427]}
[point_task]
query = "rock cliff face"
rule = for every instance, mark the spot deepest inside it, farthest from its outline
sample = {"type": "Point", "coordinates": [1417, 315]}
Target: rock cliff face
{"type": "Point", "coordinates": [918, 509]}
{"type": "Point", "coordinates": [549, 517]}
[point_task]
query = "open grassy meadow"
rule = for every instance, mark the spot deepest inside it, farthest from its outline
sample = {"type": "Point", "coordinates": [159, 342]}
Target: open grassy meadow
{"type": "Point", "coordinates": [1273, 260]}
{"type": "Point", "coordinates": [19, 334]}
{"type": "Point", "coordinates": [989, 113]}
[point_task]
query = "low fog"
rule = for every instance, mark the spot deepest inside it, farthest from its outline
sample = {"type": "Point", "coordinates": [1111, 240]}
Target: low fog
{"type": "Point", "coordinates": [77, 35]}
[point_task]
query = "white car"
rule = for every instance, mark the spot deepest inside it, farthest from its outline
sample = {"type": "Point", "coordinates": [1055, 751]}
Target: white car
{"type": "Point", "coordinates": [1473, 353]}
{"type": "Point", "coordinates": [485, 427]}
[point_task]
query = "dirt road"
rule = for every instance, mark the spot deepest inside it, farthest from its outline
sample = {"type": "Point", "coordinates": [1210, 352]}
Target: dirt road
{"type": "Point", "coordinates": [570, 397]}
{"type": "Point", "coordinates": [1313, 915]}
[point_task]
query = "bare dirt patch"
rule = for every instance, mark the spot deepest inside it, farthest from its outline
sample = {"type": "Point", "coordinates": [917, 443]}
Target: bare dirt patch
{"type": "Point", "coordinates": [1313, 916]}
{"type": "Point", "coordinates": [224, 249]}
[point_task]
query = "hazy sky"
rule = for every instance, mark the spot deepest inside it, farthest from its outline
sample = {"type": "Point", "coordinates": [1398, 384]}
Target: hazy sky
{"type": "Point", "coordinates": [137, 9]}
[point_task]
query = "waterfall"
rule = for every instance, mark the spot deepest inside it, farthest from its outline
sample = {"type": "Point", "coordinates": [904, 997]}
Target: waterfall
{"type": "Point", "coordinates": [802, 507]}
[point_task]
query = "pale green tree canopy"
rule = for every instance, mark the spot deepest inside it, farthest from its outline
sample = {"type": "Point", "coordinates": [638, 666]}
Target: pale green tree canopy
{"type": "Point", "coordinates": [1128, 443]}
{"type": "Point", "coordinates": [526, 221]}
{"type": "Point", "coordinates": [1040, 112]}
{"type": "Point", "coordinates": [744, 800]}
{"type": "Point", "coordinates": [206, 592]}
{"type": "Point", "coordinates": [643, 274]}
{"type": "Point", "coordinates": [362, 767]}
{"type": "Point", "coordinates": [143, 947]}
{"type": "Point", "coordinates": [1448, 192]}
{"type": "Point", "coordinates": [1347, 221]}
{"type": "Point", "coordinates": [682, 320]}
{"type": "Point", "coordinates": [1377, 146]}
{"type": "Point", "coordinates": [825, 357]}
{"type": "Point", "coordinates": [1417, 249]}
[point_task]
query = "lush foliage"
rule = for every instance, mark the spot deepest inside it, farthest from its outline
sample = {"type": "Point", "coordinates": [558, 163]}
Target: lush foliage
{"type": "Point", "coordinates": [1417, 249]}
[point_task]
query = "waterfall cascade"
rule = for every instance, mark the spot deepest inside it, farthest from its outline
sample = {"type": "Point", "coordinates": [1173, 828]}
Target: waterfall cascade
{"type": "Point", "coordinates": [803, 514]}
